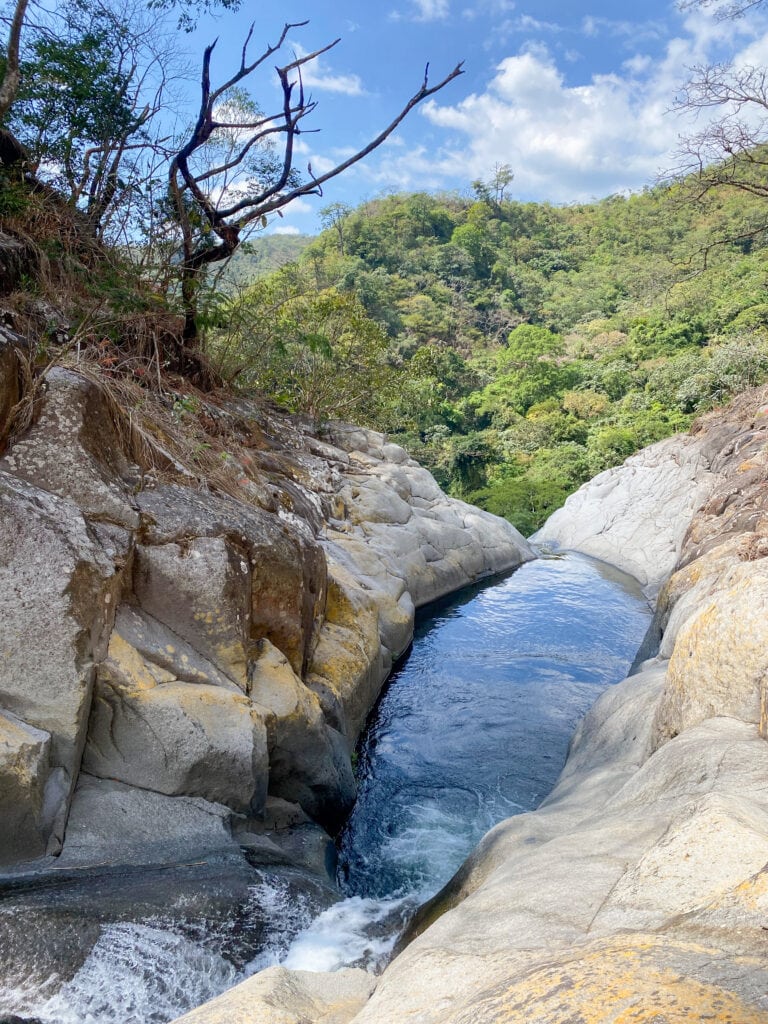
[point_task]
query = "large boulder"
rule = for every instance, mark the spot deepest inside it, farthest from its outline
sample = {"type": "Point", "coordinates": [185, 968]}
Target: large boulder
{"type": "Point", "coordinates": [719, 664]}
{"type": "Point", "coordinates": [201, 591]}
{"type": "Point", "coordinates": [180, 739]}
{"type": "Point", "coordinates": [309, 761]}
{"type": "Point", "coordinates": [59, 585]}
{"type": "Point", "coordinates": [281, 562]}
{"type": "Point", "coordinates": [636, 515]}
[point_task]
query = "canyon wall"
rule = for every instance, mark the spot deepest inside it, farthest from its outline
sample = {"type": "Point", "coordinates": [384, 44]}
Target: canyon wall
{"type": "Point", "coordinates": [184, 661]}
{"type": "Point", "coordinates": [638, 891]}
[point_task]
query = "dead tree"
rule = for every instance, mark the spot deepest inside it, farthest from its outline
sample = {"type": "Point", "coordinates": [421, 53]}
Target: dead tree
{"type": "Point", "coordinates": [9, 85]}
{"type": "Point", "coordinates": [213, 221]}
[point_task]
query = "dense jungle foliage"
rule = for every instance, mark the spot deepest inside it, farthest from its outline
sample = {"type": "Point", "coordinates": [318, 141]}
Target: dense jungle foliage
{"type": "Point", "coordinates": [516, 349]}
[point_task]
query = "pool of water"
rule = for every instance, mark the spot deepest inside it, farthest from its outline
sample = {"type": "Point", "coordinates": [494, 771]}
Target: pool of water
{"type": "Point", "coordinates": [473, 727]}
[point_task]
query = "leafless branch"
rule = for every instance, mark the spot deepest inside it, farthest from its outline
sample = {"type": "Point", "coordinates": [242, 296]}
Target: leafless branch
{"type": "Point", "coordinates": [206, 187]}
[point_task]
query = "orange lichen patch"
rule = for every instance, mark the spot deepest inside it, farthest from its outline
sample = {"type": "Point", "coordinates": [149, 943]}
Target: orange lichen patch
{"type": "Point", "coordinates": [751, 894]}
{"type": "Point", "coordinates": [639, 981]}
{"type": "Point", "coordinates": [125, 666]}
{"type": "Point", "coordinates": [748, 464]}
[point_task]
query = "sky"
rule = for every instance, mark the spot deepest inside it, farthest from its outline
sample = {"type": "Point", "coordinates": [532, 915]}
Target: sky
{"type": "Point", "coordinates": [576, 96]}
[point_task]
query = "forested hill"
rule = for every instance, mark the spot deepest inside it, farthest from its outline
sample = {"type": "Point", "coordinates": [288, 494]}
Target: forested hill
{"type": "Point", "coordinates": [516, 348]}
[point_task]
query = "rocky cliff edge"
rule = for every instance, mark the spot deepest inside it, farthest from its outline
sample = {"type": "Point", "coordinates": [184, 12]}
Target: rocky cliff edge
{"type": "Point", "coordinates": [185, 658]}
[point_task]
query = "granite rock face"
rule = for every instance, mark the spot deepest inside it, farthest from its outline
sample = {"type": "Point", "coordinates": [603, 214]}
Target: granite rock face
{"type": "Point", "coordinates": [203, 649]}
{"type": "Point", "coordinates": [635, 516]}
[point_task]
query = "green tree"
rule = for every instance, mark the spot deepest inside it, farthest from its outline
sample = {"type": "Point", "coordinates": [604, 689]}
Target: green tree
{"type": "Point", "coordinates": [314, 352]}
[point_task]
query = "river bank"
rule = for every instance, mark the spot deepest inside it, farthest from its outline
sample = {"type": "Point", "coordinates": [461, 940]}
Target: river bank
{"type": "Point", "coordinates": [639, 889]}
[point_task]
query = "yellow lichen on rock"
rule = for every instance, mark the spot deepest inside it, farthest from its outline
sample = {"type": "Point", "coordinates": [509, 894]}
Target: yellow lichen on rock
{"type": "Point", "coordinates": [720, 657]}
{"type": "Point", "coordinates": [636, 980]}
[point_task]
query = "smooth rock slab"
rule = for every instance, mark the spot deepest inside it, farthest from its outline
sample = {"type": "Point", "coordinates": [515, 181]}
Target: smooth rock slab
{"type": "Point", "coordinates": [277, 996]}
{"type": "Point", "coordinates": [180, 739]}
{"type": "Point", "coordinates": [635, 516]}
{"type": "Point", "coordinates": [111, 823]}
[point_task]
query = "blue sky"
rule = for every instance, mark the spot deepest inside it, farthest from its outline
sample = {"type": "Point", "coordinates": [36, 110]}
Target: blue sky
{"type": "Point", "coordinates": [575, 96]}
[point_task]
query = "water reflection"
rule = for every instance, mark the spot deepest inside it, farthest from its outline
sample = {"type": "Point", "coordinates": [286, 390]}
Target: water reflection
{"type": "Point", "coordinates": [474, 727]}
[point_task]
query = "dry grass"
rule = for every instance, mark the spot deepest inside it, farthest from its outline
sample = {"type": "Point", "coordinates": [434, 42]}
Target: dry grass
{"type": "Point", "coordinates": [177, 432]}
{"type": "Point", "coordinates": [82, 305]}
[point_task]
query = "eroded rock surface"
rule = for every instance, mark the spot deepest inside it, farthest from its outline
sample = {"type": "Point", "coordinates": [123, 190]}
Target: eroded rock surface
{"type": "Point", "coordinates": [635, 516]}
{"type": "Point", "coordinates": [175, 656]}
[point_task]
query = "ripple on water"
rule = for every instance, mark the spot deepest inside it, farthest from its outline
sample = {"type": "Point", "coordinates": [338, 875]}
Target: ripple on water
{"type": "Point", "coordinates": [474, 727]}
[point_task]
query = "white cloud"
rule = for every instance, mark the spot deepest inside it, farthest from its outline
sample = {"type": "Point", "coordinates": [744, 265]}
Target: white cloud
{"type": "Point", "coordinates": [317, 75]}
{"type": "Point", "coordinates": [570, 142]}
{"type": "Point", "coordinates": [286, 229]}
{"type": "Point", "coordinates": [301, 206]}
{"type": "Point", "coordinates": [526, 23]}
{"type": "Point", "coordinates": [633, 30]}
{"type": "Point", "coordinates": [638, 64]}
{"type": "Point", "coordinates": [492, 7]}
{"type": "Point", "coordinates": [424, 10]}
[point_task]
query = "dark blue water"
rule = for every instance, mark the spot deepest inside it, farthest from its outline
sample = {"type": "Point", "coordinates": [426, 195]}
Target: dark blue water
{"type": "Point", "coordinates": [475, 725]}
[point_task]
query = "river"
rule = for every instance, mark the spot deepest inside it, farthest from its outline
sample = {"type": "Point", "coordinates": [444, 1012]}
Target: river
{"type": "Point", "coordinates": [473, 727]}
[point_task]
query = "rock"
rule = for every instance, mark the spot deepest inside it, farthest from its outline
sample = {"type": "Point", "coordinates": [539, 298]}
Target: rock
{"type": "Point", "coordinates": [646, 978]}
{"type": "Point", "coordinates": [181, 740]}
{"type": "Point", "coordinates": [681, 873]}
{"type": "Point", "coordinates": [285, 565]}
{"type": "Point", "coordinates": [623, 826]}
{"type": "Point", "coordinates": [347, 668]}
{"type": "Point", "coordinates": [636, 516]}
{"type": "Point", "coordinates": [309, 761]}
{"type": "Point", "coordinates": [201, 591]}
{"type": "Point", "coordinates": [306, 846]}
{"type": "Point", "coordinates": [143, 652]}
{"type": "Point", "coordinates": [58, 590]}
{"type": "Point", "coordinates": [277, 996]}
{"type": "Point", "coordinates": [24, 772]}
{"type": "Point", "coordinates": [720, 658]}
{"type": "Point", "coordinates": [111, 823]}
{"type": "Point", "coordinates": [74, 451]}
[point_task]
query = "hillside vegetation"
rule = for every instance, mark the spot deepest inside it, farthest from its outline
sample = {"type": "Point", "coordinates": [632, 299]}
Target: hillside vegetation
{"type": "Point", "coordinates": [516, 349]}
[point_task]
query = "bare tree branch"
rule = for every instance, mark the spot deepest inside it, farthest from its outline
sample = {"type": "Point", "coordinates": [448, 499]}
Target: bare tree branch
{"type": "Point", "coordinates": [724, 9]}
{"type": "Point", "coordinates": [213, 213]}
